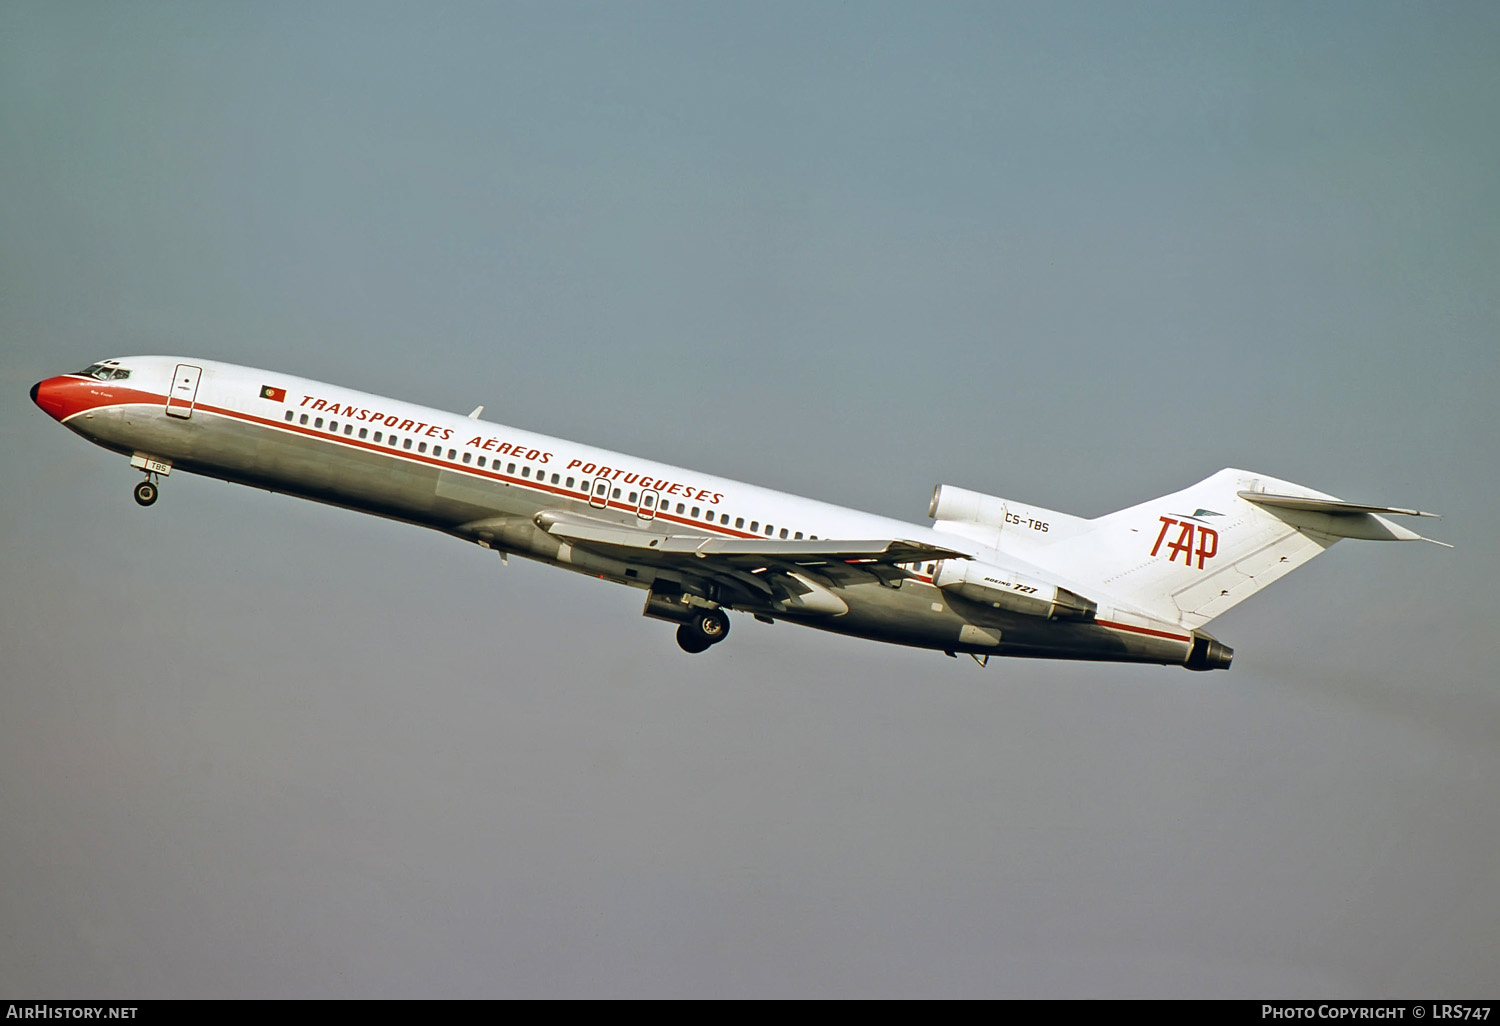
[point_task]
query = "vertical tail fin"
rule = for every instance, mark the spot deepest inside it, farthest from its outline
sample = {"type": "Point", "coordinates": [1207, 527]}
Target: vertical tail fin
{"type": "Point", "coordinates": [1191, 555]}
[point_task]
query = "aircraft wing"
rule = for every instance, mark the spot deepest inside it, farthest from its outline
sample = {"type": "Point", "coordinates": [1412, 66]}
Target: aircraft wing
{"type": "Point", "coordinates": [655, 545]}
{"type": "Point", "coordinates": [761, 564]}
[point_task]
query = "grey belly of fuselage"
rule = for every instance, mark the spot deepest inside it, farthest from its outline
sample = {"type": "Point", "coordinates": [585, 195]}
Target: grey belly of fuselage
{"type": "Point", "coordinates": [499, 515]}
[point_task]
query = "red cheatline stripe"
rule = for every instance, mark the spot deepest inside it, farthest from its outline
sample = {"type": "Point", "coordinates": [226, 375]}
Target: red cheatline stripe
{"type": "Point", "coordinates": [126, 397]}
{"type": "Point", "coordinates": [1143, 630]}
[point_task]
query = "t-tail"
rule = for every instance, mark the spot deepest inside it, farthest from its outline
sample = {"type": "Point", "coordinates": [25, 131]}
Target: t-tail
{"type": "Point", "coordinates": [1190, 556]}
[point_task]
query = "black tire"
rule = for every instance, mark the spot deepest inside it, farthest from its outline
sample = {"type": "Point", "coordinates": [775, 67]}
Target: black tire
{"type": "Point", "coordinates": [690, 640]}
{"type": "Point", "coordinates": [145, 493]}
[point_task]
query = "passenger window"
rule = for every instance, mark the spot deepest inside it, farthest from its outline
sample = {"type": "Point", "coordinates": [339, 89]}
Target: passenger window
{"type": "Point", "coordinates": [680, 507]}
{"type": "Point", "coordinates": [739, 522]}
{"type": "Point", "coordinates": [349, 429]}
{"type": "Point", "coordinates": [617, 493]}
{"type": "Point", "coordinates": [318, 423]}
{"type": "Point", "coordinates": [633, 497]}
{"type": "Point", "coordinates": [525, 471]}
{"type": "Point", "coordinates": [755, 525]}
{"type": "Point", "coordinates": [333, 426]}
{"type": "Point", "coordinates": [769, 529]}
{"type": "Point", "coordinates": [554, 479]}
{"type": "Point", "coordinates": [724, 519]}
{"type": "Point", "coordinates": [468, 456]}
{"type": "Point", "coordinates": [799, 534]}
{"type": "Point", "coordinates": [694, 513]}
{"type": "Point", "coordinates": [289, 416]}
{"type": "Point", "coordinates": [363, 432]}
{"type": "Point", "coordinates": [568, 483]}
{"type": "Point", "coordinates": [406, 444]}
{"type": "Point", "coordinates": [783, 532]}
{"type": "Point", "coordinates": [303, 420]}
{"type": "Point", "coordinates": [421, 447]}
{"type": "Point", "coordinates": [377, 436]}
{"type": "Point", "coordinates": [511, 469]}
{"type": "Point", "coordinates": [481, 461]}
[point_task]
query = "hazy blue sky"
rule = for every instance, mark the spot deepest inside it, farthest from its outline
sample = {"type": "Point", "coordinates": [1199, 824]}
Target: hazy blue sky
{"type": "Point", "coordinates": [1074, 254]}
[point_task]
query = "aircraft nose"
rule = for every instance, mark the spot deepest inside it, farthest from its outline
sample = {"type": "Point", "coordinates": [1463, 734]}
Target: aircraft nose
{"type": "Point", "coordinates": [49, 396]}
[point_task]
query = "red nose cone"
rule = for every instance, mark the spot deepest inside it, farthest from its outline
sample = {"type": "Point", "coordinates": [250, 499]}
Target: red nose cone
{"type": "Point", "coordinates": [51, 396]}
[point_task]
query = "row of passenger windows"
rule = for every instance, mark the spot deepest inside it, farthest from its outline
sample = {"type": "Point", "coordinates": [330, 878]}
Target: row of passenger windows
{"type": "Point", "coordinates": [696, 512]}
{"type": "Point", "coordinates": [380, 438]}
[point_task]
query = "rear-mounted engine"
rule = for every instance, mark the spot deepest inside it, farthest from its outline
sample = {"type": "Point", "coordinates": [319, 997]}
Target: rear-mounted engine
{"type": "Point", "coordinates": [1004, 589]}
{"type": "Point", "coordinates": [960, 504]}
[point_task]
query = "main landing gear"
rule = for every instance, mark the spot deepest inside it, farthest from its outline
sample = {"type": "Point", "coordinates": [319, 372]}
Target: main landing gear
{"type": "Point", "coordinates": [145, 492]}
{"type": "Point", "coordinates": [704, 630]}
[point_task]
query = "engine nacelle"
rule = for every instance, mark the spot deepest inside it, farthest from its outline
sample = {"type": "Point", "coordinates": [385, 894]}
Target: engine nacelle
{"type": "Point", "coordinates": [949, 502]}
{"type": "Point", "coordinates": [1006, 589]}
{"type": "Point", "coordinates": [987, 519]}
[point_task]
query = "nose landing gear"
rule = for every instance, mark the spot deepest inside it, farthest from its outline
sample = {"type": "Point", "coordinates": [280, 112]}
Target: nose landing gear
{"type": "Point", "coordinates": [147, 490]}
{"type": "Point", "coordinates": [704, 630]}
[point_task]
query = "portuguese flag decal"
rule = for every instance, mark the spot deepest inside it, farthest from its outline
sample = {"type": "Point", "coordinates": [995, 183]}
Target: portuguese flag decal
{"type": "Point", "coordinates": [274, 394]}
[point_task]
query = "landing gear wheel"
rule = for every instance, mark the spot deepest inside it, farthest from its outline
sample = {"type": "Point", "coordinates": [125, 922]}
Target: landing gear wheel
{"type": "Point", "coordinates": [706, 628]}
{"type": "Point", "coordinates": [691, 640]}
{"type": "Point", "coordinates": [145, 493]}
{"type": "Point", "coordinates": [712, 626]}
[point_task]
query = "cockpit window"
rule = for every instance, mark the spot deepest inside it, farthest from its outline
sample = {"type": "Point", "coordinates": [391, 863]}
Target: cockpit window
{"type": "Point", "coordinates": [101, 372]}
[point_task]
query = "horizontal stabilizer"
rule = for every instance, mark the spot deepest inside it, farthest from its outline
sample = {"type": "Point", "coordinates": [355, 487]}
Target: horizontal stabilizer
{"type": "Point", "coordinates": [1334, 506]}
{"type": "Point", "coordinates": [1340, 519]}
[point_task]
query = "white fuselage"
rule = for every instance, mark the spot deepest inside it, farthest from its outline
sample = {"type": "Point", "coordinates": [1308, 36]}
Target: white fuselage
{"type": "Point", "coordinates": [566, 502]}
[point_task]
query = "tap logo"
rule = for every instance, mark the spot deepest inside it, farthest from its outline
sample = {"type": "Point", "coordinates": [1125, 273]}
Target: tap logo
{"type": "Point", "coordinates": [1193, 540]}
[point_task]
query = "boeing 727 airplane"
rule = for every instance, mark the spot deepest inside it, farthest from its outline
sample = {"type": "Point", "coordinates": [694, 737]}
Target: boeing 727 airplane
{"type": "Point", "coordinates": [989, 577]}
